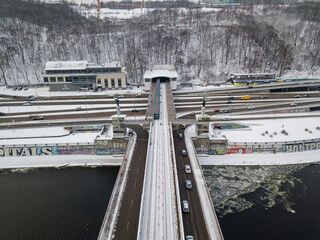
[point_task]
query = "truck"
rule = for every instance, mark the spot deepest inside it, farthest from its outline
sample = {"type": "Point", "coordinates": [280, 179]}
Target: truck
{"type": "Point", "coordinates": [245, 97]}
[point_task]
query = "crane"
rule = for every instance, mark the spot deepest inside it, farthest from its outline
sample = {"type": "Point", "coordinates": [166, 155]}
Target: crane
{"type": "Point", "coordinates": [98, 9]}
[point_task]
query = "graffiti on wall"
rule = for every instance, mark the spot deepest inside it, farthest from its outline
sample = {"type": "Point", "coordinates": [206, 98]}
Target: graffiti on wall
{"type": "Point", "coordinates": [25, 151]}
{"type": "Point", "coordinates": [300, 147]}
{"type": "Point", "coordinates": [61, 150]}
{"type": "Point", "coordinates": [292, 147]}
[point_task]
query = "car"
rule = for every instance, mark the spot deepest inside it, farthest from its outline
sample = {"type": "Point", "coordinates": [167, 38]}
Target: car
{"type": "Point", "coordinates": [25, 89]}
{"type": "Point", "coordinates": [187, 168]}
{"type": "Point", "coordinates": [19, 88]}
{"type": "Point", "coordinates": [229, 102]}
{"type": "Point", "coordinates": [180, 136]}
{"type": "Point", "coordinates": [36, 117]}
{"type": "Point", "coordinates": [135, 110]}
{"type": "Point", "coordinates": [79, 108]}
{"type": "Point", "coordinates": [306, 95]}
{"type": "Point", "coordinates": [27, 104]}
{"type": "Point", "coordinates": [2, 114]}
{"type": "Point", "coordinates": [230, 98]}
{"type": "Point", "coordinates": [226, 119]}
{"type": "Point", "coordinates": [217, 110]}
{"type": "Point", "coordinates": [250, 87]}
{"type": "Point", "coordinates": [297, 96]}
{"type": "Point", "coordinates": [184, 152]}
{"type": "Point", "coordinates": [189, 237]}
{"type": "Point", "coordinates": [227, 111]}
{"type": "Point", "coordinates": [120, 96]}
{"type": "Point", "coordinates": [293, 104]}
{"type": "Point", "coordinates": [188, 184]}
{"type": "Point", "coordinates": [15, 89]}
{"type": "Point", "coordinates": [264, 97]}
{"type": "Point", "coordinates": [184, 126]}
{"type": "Point", "coordinates": [250, 107]}
{"type": "Point", "coordinates": [185, 206]}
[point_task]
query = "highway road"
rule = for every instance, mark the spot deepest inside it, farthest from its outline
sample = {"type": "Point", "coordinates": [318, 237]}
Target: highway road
{"type": "Point", "coordinates": [193, 222]}
{"type": "Point", "coordinates": [128, 219]}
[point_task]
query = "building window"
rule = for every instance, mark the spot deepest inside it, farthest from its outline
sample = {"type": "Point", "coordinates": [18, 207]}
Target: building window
{"type": "Point", "coordinates": [113, 70]}
{"type": "Point", "coordinates": [119, 83]}
{"type": "Point", "coordinates": [60, 79]}
{"type": "Point", "coordinates": [174, 79]}
{"type": "Point", "coordinates": [99, 81]}
{"type": "Point", "coordinates": [68, 79]}
{"type": "Point", "coordinates": [52, 79]}
{"type": "Point", "coordinates": [45, 79]}
{"type": "Point", "coordinates": [112, 83]}
{"type": "Point", "coordinates": [106, 83]}
{"type": "Point", "coordinates": [147, 80]}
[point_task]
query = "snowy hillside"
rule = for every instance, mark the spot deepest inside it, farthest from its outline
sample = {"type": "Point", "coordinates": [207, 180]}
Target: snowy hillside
{"type": "Point", "coordinates": [205, 45]}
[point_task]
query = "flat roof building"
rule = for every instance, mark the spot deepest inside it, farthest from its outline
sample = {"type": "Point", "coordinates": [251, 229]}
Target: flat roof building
{"type": "Point", "coordinates": [162, 72]}
{"type": "Point", "coordinates": [82, 75]}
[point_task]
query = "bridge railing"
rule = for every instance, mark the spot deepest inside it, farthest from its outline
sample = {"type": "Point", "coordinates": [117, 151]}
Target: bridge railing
{"type": "Point", "coordinates": [177, 190]}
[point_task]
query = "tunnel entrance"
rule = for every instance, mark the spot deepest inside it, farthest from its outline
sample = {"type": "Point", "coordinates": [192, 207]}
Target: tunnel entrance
{"type": "Point", "coordinates": [162, 79]}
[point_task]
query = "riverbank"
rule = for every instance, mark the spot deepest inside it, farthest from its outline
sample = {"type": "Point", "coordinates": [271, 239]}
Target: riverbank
{"type": "Point", "coordinates": [58, 161]}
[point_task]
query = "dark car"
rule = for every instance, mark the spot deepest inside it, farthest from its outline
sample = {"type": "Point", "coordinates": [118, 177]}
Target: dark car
{"type": "Point", "coordinates": [135, 110]}
{"type": "Point", "coordinates": [2, 114]}
{"type": "Point", "coordinates": [229, 102]}
{"type": "Point", "coordinates": [231, 98]}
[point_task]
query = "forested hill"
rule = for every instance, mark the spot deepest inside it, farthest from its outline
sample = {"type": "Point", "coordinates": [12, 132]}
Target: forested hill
{"type": "Point", "coordinates": [201, 44]}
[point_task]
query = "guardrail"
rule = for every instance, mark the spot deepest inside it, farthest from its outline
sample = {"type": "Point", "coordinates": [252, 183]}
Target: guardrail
{"type": "Point", "coordinates": [212, 231]}
{"type": "Point", "coordinates": [175, 174]}
{"type": "Point", "coordinates": [141, 214]}
{"type": "Point", "coordinates": [108, 224]}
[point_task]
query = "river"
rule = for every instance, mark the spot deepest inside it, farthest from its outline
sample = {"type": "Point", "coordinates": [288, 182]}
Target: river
{"type": "Point", "coordinates": [49, 203]}
{"type": "Point", "coordinates": [278, 202]}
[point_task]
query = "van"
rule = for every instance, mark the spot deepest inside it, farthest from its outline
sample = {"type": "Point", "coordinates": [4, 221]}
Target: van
{"type": "Point", "coordinates": [185, 206]}
{"type": "Point", "coordinates": [245, 98]}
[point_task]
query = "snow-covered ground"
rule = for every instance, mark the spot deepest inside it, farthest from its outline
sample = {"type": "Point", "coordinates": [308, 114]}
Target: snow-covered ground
{"type": "Point", "coordinates": [295, 127]}
{"type": "Point", "coordinates": [60, 161]}
{"type": "Point", "coordinates": [261, 159]}
{"type": "Point", "coordinates": [33, 133]}
{"type": "Point", "coordinates": [44, 92]}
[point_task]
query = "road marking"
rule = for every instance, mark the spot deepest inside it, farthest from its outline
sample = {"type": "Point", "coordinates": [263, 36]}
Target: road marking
{"type": "Point", "coordinates": [135, 185]}
{"type": "Point", "coordinates": [137, 170]}
{"type": "Point", "coordinates": [127, 225]}
{"type": "Point", "coordinates": [131, 202]}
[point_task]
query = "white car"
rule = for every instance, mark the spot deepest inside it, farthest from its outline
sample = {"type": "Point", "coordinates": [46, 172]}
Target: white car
{"type": "Point", "coordinates": [187, 168]}
{"type": "Point", "coordinates": [27, 104]}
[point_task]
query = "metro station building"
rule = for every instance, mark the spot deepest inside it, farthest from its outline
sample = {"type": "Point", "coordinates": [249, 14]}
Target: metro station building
{"type": "Point", "coordinates": [82, 75]}
{"type": "Point", "coordinates": [162, 72]}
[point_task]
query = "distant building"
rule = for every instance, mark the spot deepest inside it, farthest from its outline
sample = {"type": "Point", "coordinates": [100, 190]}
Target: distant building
{"type": "Point", "coordinates": [162, 72]}
{"type": "Point", "coordinates": [252, 79]}
{"type": "Point", "coordinates": [81, 75]}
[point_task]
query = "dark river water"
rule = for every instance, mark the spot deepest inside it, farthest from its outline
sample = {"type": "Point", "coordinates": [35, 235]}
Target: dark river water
{"type": "Point", "coordinates": [301, 220]}
{"type": "Point", "coordinates": [54, 203]}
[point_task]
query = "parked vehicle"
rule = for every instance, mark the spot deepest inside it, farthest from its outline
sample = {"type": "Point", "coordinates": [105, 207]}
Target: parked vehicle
{"type": "Point", "coordinates": [250, 107]}
{"type": "Point", "coordinates": [187, 168]}
{"type": "Point", "coordinates": [25, 88]}
{"type": "Point", "coordinates": [2, 114]}
{"type": "Point", "coordinates": [15, 89]}
{"type": "Point", "coordinates": [229, 102]}
{"type": "Point", "coordinates": [264, 97]}
{"type": "Point", "coordinates": [19, 88]}
{"type": "Point", "coordinates": [231, 98]}
{"type": "Point", "coordinates": [185, 206]}
{"type": "Point", "coordinates": [184, 126]}
{"type": "Point", "coordinates": [297, 96]}
{"type": "Point", "coordinates": [184, 152]}
{"type": "Point", "coordinates": [306, 95]}
{"type": "Point", "coordinates": [180, 136]}
{"type": "Point", "coordinates": [217, 110]}
{"type": "Point", "coordinates": [188, 184]}
{"type": "Point", "coordinates": [79, 108]}
{"type": "Point", "coordinates": [293, 104]}
{"type": "Point", "coordinates": [245, 97]}
{"type": "Point", "coordinates": [135, 110]}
